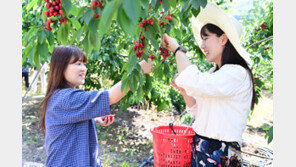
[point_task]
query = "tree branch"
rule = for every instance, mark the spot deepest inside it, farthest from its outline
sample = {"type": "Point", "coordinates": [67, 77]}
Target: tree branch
{"type": "Point", "coordinates": [259, 42]}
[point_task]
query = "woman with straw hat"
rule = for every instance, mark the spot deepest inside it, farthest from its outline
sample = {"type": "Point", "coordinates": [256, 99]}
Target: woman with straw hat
{"type": "Point", "coordinates": [220, 100]}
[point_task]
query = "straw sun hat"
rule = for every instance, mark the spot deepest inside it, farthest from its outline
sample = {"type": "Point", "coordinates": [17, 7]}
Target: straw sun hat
{"type": "Point", "coordinates": [232, 28]}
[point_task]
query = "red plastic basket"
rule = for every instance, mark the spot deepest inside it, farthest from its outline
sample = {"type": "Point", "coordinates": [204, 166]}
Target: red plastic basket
{"type": "Point", "coordinates": [172, 150]}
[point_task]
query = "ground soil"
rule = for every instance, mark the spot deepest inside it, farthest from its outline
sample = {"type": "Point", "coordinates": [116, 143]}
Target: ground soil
{"type": "Point", "coordinates": [128, 141]}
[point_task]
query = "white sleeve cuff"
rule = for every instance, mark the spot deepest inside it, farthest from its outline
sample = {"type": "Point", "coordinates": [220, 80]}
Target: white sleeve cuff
{"type": "Point", "coordinates": [192, 110]}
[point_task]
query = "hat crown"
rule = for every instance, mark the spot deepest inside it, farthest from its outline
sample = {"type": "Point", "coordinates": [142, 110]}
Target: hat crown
{"type": "Point", "coordinates": [237, 26]}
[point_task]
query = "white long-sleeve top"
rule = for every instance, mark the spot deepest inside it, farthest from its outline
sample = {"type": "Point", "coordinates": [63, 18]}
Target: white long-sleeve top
{"type": "Point", "coordinates": [223, 100]}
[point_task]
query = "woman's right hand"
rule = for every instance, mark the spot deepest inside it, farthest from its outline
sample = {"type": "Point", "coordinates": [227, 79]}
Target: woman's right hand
{"type": "Point", "coordinates": [147, 67]}
{"type": "Point", "coordinates": [105, 120]}
{"type": "Point", "coordinates": [169, 43]}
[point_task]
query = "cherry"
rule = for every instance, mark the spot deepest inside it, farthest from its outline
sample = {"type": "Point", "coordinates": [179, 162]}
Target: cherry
{"type": "Point", "coordinates": [94, 3]}
{"type": "Point", "coordinates": [48, 5]}
{"type": "Point", "coordinates": [54, 3]}
{"type": "Point", "coordinates": [46, 13]}
{"type": "Point", "coordinates": [96, 15]}
{"type": "Point", "coordinates": [57, 8]}
{"type": "Point", "coordinates": [99, 4]}
{"type": "Point", "coordinates": [152, 57]}
{"type": "Point", "coordinates": [61, 12]}
{"type": "Point", "coordinates": [51, 9]}
{"type": "Point", "coordinates": [135, 47]}
{"type": "Point", "coordinates": [61, 20]}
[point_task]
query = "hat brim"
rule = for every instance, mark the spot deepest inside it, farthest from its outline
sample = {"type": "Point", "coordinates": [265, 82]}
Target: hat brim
{"type": "Point", "coordinates": [214, 15]}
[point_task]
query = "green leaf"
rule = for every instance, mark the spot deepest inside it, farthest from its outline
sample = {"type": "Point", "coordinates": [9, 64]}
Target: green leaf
{"type": "Point", "coordinates": [187, 5]}
{"type": "Point", "coordinates": [88, 15]}
{"type": "Point", "coordinates": [204, 3]}
{"type": "Point", "coordinates": [67, 5]}
{"type": "Point", "coordinates": [107, 16]}
{"type": "Point", "coordinates": [74, 10]}
{"type": "Point", "coordinates": [152, 40]}
{"type": "Point", "coordinates": [31, 4]}
{"type": "Point", "coordinates": [82, 11]}
{"type": "Point", "coordinates": [154, 2]}
{"type": "Point", "coordinates": [36, 57]}
{"type": "Point", "coordinates": [64, 34]}
{"type": "Point", "coordinates": [93, 37]}
{"type": "Point", "coordinates": [93, 25]}
{"type": "Point", "coordinates": [125, 23]}
{"type": "Point", "coordinates": [76, 23]}
{"type": "Point", "coordinates": [195, 12]}
{"type": "Point", "coordinates": [132, 9]}
{"type": "Point", "coordinates": [87, 46]}
{"type": "Point", "coordinates": [145, 4]}
{"type": "Point", "coordinates": [43, 50]}
{"type": "Point", "coordinates": [196, 4]}
{"type": "Point", "coordinates": [165, 5]}
{"type": "Point", "coordinates": [172, 3]}
{"type": "Point", "coordinates": [41, 36]}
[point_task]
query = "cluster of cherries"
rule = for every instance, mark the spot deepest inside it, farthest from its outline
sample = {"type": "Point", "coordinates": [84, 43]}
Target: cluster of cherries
{"type": "Point", "coordinates": [168, 17]}
{"type": "Point", "coordinates": [54, 9]}
{"type": "Point", "coordinates": [94, 5]}
{"type": "Point", "coordinates": [146, 22]}
{"type": "Point", "coordinates": [139, 46]}
{"type": "Point", "coordinates": [164, 52]}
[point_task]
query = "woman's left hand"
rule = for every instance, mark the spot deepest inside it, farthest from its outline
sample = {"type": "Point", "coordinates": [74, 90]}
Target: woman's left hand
{"type": "Point", "coordinates": [105, 120]}
{"type": "Point", "coordinates": [175, 85]}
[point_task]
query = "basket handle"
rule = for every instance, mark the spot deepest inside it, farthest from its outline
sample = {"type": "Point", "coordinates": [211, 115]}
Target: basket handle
{"type": "Point", "coordinates": [172, 123]}
{"type": "Point", "coordinates": [171, 126]}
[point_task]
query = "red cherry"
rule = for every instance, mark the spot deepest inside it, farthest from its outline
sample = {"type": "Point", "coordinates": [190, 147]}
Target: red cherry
{"type": "Point", "coordinates": [93, 7]}
{"type": "Point", "coordinates": [48, 28]}
{"type": "Point", "coordinates": [47, 24]}
{"type": "Point", "coordinates": [141, 24]}
{"type": "Point", "coordinates": [142, 37]}
{"type": "Point", "coordinates": [46, 13]}
{"type": "Point", "coordinates": [99, 4]}
{"type": "Point", "coordinates": [141, 45]}
{"type": "Point", "coordinates": [60, 5]}
{"type": "Point", "coordinates": [55, 13]}
{"type": "Point", "coordinates": [152, 57]}
{"type": "Point", "coordinates": [96, 15]}
{"type": "Point", "coordinates": [54, 3]}
{"type": "Point", "coordinates": [136, 42]}
{"type": "Point", "coordinates": [65, 21]}
{"type": "Point", "coordinates": [135, 47]}
{"type": "Point", "coordinates": [61, 20]}
{"type": "Point", "coordinates": [49, 20]}
{"type": "Point", "coordinates": [61, 12]}
{"type": "Point", "coordinates": [46, 1]}
{"type": "Point", "coordinates": [57, 8]}
{"type": "Point", "coordinates": [57, 1]}
{"type": "Point", "coordinates": [94, 3]}
{"type": "Point", "coordinates": [140, 51]}
{"type": "Point", "coordinates": [48, 5]}
{"type": "Point", "coordinates": [51, 9]}
{"type": "Point", "coordinates": [160, 1]}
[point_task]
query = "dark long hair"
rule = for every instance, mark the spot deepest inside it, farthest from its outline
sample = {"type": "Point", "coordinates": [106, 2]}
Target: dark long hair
{"type": "Point", "coordinates": [60, 58]}
{"type": "Point", "coordinates": [230, 55]}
